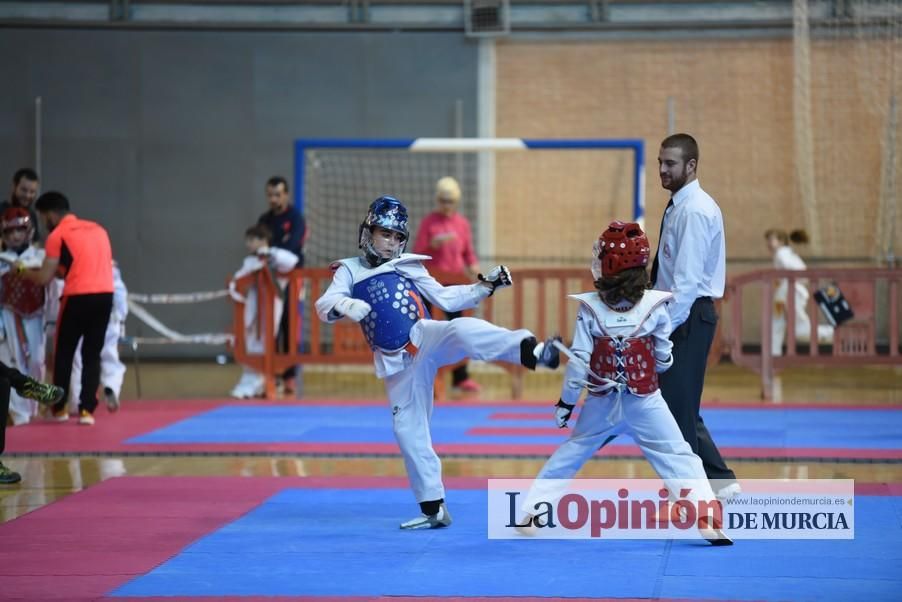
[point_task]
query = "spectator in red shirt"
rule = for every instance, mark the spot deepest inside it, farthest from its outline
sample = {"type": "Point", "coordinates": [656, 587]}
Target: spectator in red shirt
{"type": "Point", "coordinates": [445, 235]}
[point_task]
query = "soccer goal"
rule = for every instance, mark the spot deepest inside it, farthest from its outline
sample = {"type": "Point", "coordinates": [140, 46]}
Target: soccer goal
{"type": "Point", "coordinates": [530, 201]}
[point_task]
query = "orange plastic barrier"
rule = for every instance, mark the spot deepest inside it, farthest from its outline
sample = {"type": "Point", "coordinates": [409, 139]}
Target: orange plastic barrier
{"type": "Point", "coordinates": [537, 301]}
{"type": "Point", "coordinates": [873, 295]}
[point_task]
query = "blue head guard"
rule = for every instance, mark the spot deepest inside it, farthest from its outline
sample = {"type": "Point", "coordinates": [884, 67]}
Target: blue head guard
{"type": "Point", "coordinates": [389, 213]}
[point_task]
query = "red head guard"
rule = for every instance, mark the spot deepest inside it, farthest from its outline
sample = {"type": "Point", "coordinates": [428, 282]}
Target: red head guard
{"type": "Point", "coordinates": [15, 217]}
{"type": "Point", "coordinates": [621, 247]}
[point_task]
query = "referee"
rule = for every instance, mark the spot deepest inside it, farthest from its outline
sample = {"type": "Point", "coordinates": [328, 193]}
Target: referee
{"type": "Point", "coordinates": [691, 264]}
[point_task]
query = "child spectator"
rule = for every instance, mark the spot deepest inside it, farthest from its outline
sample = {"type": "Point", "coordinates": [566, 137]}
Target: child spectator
{"type": "Point", "coordinates": [262, 256]}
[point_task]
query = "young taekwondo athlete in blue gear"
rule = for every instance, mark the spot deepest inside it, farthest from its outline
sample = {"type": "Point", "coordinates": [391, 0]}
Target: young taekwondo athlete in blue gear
{"type": "Point", "coordinates": [384, 291]}
{"type": "Point", "coordinates": [395, 303]}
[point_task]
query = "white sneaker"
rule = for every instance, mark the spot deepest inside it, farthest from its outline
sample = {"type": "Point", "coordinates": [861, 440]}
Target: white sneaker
{"type": "Point", "coordinates": [527, 526]}
{"type": "Point", "coordinates": [725, 493]}
{"type": "Point", "coordinates": [435, 521]}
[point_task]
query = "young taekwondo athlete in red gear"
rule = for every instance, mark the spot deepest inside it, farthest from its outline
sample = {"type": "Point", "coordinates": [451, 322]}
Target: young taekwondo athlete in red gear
{"type": "Point", "coordinates": [21, 306]}
{"type": "Point", "coordinates": [620, 343]}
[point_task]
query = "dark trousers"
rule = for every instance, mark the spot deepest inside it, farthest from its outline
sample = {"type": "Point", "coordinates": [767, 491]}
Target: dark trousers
{"type": "Point", "coordinates": [282, 334]}
{"type": "Point", "coordinates": [9, 377]}
{"type": "Point", "coordinates": [85, 318]}
{"type": "Point", "coordinates": [4, 409]}
{"type": "Point", "coordinates": [682, 385]}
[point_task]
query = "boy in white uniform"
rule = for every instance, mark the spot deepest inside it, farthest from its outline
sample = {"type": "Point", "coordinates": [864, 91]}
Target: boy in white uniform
{"type": "Point", "coordinates": [620, 343]}
{"type": "Point", "coordinates": [256, 239]}
{"type": "Point", "coordinates": [112, 370]}
{"type": "Point", "coordinates": [383, 289]}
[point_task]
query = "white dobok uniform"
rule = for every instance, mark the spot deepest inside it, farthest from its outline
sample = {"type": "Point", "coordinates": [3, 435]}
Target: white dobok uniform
{"type": "Point", "coordinates": [22, 343]}
{"type": "Point", "coordinates": [112, 370]}
{"type": "Point", "coordinates": [409, 347]}
{"type": "Point", "coordinates": [251, 383]}
{"type": "Point", "coordinates": [612, 407]}
{"type": "Point", "coordinates": [787, 259]}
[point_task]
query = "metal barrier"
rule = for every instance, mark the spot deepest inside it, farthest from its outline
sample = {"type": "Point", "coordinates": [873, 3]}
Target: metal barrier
{"type": "Point", "coordinates": [872, 293]}
{"type": "Point", "coordinates": [537, 301]}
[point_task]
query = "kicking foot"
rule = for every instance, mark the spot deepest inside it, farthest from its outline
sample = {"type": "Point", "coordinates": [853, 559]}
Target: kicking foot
{"type": "Point", "coordinates": [547, 353]}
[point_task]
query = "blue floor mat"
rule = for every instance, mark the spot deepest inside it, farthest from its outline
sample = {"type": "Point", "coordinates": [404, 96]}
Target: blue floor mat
{"type": "Point", "coordinates": [773, 428]}
{"type": "Point", "coordinates": [326, 542]}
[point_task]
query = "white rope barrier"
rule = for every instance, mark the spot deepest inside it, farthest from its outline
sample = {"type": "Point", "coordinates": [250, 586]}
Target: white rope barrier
{"type": "Point", "coordinates": [170, 336]}
{"type": "Point", "coordinates": [164, 298]}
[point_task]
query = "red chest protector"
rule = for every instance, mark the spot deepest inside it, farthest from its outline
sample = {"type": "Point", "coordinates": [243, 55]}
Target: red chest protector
{"type": "Point", "coordinates": [630, 361]}
{"type": "Point", "coordinates": [625, 359]}
{"type": "Point", "coordinates": [20, 295]}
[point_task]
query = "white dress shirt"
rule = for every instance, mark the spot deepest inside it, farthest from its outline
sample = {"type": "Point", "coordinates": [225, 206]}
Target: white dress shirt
{"type": "Point", "coordinates": [692, 251]}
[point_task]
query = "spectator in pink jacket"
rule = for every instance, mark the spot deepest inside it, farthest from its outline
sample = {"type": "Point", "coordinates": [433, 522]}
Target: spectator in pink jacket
{"type": "Point", "coordinates": [445, 235]}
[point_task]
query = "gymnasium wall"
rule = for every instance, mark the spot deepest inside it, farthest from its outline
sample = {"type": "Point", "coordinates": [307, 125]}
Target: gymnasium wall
{"type": "Point", "coordinates": [736, 97]}
{"type": "Point", "coordinates": [167, 137]}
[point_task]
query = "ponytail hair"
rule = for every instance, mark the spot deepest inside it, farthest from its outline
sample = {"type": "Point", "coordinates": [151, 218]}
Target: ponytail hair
{"type": "Point", "coordinates": [628, 285]}
{"type": "Point", "coordinates": [799, 237]}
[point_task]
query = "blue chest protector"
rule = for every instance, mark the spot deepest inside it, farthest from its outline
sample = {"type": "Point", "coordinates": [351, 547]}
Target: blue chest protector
{"type": "Point", "coordinates": [397, 305]}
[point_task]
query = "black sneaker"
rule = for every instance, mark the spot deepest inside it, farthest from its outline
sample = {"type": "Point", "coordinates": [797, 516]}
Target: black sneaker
{"type": "Point", "coordinates": [41, 392]}
{"type": "Point", "coordinates": [7, 476]}
{"type": "Point", "coordinates": [111, 399]}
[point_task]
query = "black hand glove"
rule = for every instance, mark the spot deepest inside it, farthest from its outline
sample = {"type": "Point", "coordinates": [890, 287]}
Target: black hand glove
{"type": "Point", "coordinates": [562, 412]}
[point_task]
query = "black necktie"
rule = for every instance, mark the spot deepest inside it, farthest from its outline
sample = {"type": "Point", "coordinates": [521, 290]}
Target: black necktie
{"type": "Point", "coordinates": [654, 265]}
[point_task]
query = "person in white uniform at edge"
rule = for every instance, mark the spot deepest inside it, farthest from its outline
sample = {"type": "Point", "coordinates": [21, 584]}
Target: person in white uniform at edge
{"type": "Point", "coordinates": [620, 343]}
{"type": "Point", "coordinates": [383, 289]}
{"type": "Point", "coordinates": [785, 258]}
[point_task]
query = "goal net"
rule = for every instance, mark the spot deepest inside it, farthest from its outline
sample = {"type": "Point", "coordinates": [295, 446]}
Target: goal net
{"type": "Point", "coordinates": [847, 89]}
{"type": "Point", "coordinates": [529, 202]}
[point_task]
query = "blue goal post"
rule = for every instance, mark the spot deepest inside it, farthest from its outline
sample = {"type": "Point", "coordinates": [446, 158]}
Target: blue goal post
{"type": "Point", "coordinates": [334, 176]}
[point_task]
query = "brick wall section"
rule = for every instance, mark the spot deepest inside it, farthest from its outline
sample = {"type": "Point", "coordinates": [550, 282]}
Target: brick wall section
{"type": "Point", "coordinates": [735, 97]}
